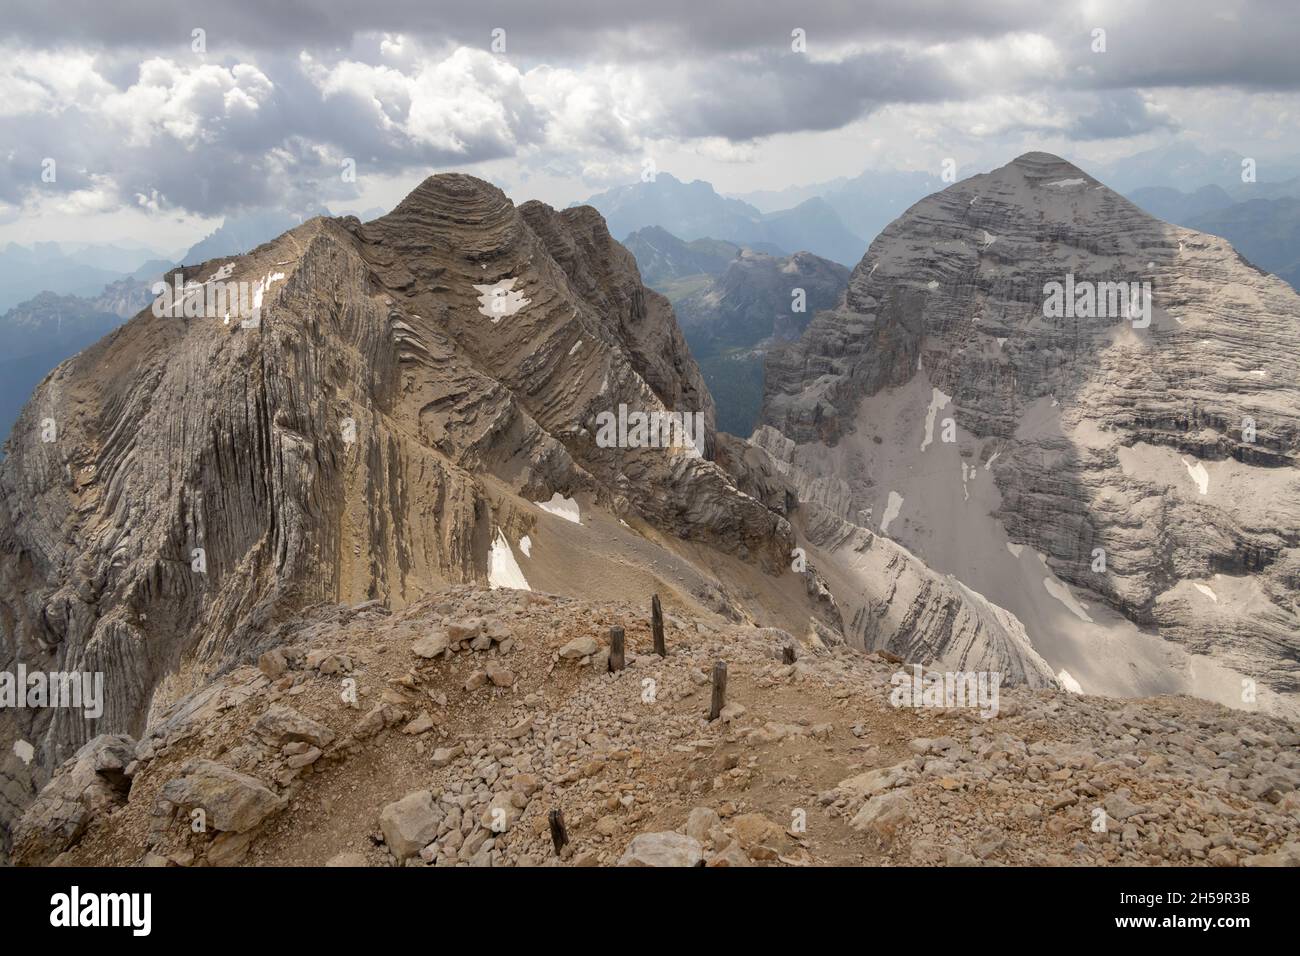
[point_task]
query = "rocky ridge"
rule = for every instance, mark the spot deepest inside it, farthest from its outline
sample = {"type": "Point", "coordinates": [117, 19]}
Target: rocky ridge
{"type": "Point", "coordinates": [410, 391]}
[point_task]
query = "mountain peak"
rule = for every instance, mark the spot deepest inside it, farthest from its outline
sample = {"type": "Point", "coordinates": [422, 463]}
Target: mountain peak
{"type": "Point", "coordinates": [444, 190]}
{"type": "Point", "coordinates": [1040, 165]}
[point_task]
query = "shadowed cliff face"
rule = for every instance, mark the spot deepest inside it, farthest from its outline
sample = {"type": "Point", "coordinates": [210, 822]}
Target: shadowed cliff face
{"type": "Point", "coordinates": [1146, 459]}
{"type": "Point", "coordinates": [412, 387]}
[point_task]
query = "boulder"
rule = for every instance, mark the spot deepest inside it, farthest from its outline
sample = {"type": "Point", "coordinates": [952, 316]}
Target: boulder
{"type": "Point", "coordinates": [232, 802]}
{"type": "Point", "coordinates": [411, 823]}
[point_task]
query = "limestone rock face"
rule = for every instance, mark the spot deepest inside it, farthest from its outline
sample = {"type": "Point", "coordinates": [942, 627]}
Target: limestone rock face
{"type": "Point", "coordinates": [407, 391]}
{"type": "Point", "coordinates": [1120, 480]}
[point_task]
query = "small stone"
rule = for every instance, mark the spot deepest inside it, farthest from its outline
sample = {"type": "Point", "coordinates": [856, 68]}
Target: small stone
{"type": "Point", "coordinates": [700, 822]}
{"type": "Point", "coordinates": [885, 814]}
{"type": "Point", "coordinates": [420, 725]}
{"type": "Point", "coordinates": [281, 725]}
{"type": "Point", "coordinates": [431, 645]}
{"type": "Point", "coordinates": [304, 759]}
{"type": "Point", "coordinates": [753, 829]}
{"type": "Point", "coordinates": [272, 663]}
{"type": "Point", "coordinates": [1119, 807]}
{"type": "Point", "coordinates": [732, 711]}
{"type": "Point", "coordinates": [229, 848]}
{"type": "Point", "coordinates": [500, 813]}
{"type": "Point", "coordinates": [445, 755]}
{"type": "Point", "coordinates": [733, 855]}
{"type": "Point", "coordinates": [579, 647]}
{"type": "Point", "coordinates": [662, 849]}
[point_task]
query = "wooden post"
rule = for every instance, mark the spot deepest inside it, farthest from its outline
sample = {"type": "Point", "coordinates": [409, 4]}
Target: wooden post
{"type": "Point", "coordinates": [657, 625]}
{"type": "Point", "coordinates": [615, 648]}
{"type": "Point", "coordinates": [787, 654]}
{"type": "Point", "coordinates": [719, 690]}
{"type": "Point", "coordinates": [559, 834]}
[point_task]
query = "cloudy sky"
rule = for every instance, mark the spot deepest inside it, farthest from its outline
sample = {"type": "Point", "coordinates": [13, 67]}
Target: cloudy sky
{"type": "Point", "coordinates": [156, 131]}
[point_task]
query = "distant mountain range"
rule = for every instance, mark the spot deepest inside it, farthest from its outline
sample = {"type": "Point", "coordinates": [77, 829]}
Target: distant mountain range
{"type": "Point", "coordinates": [1264, 228]}
{"type": "Point", "coordinates": [866, 203]}
{"type": "Point", "coordinates": [1265, 231]}
{"type": "Point", "coordinates": [695, 210]}
{"type": "Point", "coordinates": [732, 302]}
{"type": "Point", "coordinates": [27, 271]}
{"type": "Point", "coordinates": [245, 231]}
{"type": "Point", "coordinates": [663, 259]}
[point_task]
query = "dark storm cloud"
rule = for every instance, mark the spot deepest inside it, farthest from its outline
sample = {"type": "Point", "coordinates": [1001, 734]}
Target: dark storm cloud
{"type": "Point", "coordinates": [542, 29]}
{"type": "Point", "coordinates": [1116, 115]}
{"type": "Point", "coordinates": [1249, 44]}
{"type": "Point", "coordinates": [764, 94]}
{"type": "Point", "coordinates": [288, 89]}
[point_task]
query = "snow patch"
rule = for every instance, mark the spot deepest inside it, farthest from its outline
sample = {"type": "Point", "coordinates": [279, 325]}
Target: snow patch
{"type": "Point", "coordinates": [1062, 183]}
{"type": "Point", "coordinates": [576, 345]}
{"type": "Point", "coordinates": [892, 508]}
{"type": "Point", "coordinates": [1062, 593]}
{"type": "Point", "coordinates": [1204, 589]}
{"type": "Point", "coordinates": [1068, 682]}
{"type": "Point", "coordinates": [526, 546]}
{"type": "Point", "coordinates": [1015, 549]}
{"type": "Point", "coordinates": [497, 300]}
{"type": "Point", "coordinates": [503, 569]}
{"type": "Point", "coordinates": [1199, 475]}
{"type": "Point", "coordinates": [24, 751]}
{"type": "Point", "coordinates": [937, 401]}
{"type": "Point", "coordinates": [561, 507]}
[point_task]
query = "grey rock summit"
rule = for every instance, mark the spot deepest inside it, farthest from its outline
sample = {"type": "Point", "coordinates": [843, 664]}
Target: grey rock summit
{"type": "Point", "coordinates": [1122, 481]}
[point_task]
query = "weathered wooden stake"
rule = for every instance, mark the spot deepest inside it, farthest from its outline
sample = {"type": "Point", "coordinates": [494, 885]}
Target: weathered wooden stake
{"type": "Point", "coordinates": [616, 648]}
{"type": "Point", "coordinates": [719, 690]}
{"type": "Point", "coordinates": [559, 834]}
{"type": "Point", "coordinates": [657, 625]}
{"type": "Point", "coordinates": [787, 654]}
